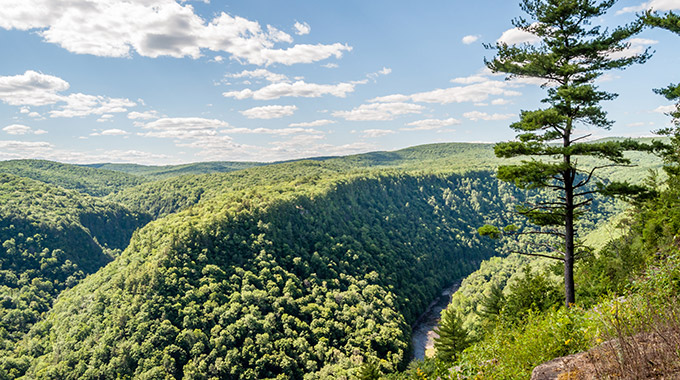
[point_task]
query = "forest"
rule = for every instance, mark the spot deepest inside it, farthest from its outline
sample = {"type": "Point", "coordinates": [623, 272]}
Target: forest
{"type": "Point", "coordinates": [301, 269]}
{"type": "Point", "coordinates": [319, 268]}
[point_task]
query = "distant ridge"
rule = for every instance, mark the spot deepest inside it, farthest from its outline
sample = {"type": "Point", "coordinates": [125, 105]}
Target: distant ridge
{"type": "Point", "coordinates": [166, 171]}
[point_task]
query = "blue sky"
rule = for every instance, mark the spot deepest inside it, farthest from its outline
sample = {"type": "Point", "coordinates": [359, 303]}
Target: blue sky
{"type": "Point", "coordinates": [166, 82]}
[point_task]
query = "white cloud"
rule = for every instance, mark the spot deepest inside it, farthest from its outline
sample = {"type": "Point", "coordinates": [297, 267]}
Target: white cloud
{"type": "Point", "coordinates": [37, 89]}
{"type": "Point", "coordinates": [637, 46]}
{"type": "Point", "coordinates": [17, 129]}
{"type": "Point", "coordinates": [396, 98]}
{"type": "Point", "coordinates": [315, 123]}
{"type": "Point", "coordinates": [302, 28]}
{"type": "Point", "coordinates": [470, 39]}
{"type": "Point", "coordinates": [271, 131]}
{"type": "Point", "coordinates": [153, 28]}
{"type": "Point", "coordinates": [24, 145]}
{"type": "Point", "coordinates": [516, 36]}
{"type": "Point", "coordinates": [296, 89]}
{"type": "Point", "coordinates": [31, 89]}
{"type": "Point", "coordinates": [47, 151]}
{"type": "Point", "coordinates": [147, 115]}
{"type": "Point", "coordinates": [657, 5]}
{"type": "Point", "coordinates": [269, 112]}
{"type": "Point", "coordinates": [379, 111]}
{"type": "Point", "coordinates": [665, 109]}
{"type": "Point", "coordinates": [500, 102]}
{"type": "Point", "coordinates": [260, 73]}
{"type": "Point", "coordinates": [374, 133]}
{"type": "Point", "coordinates": [430, 124]}
{"type": "Point", "coordinates": [475, 89]}
{"type": "Point", "coordinates": [476, 92]}
{"type": "Point", "coordinates": [374, 76]}
{"type": "Point", "coordinates": [114, 132]}
{"type": "Point", "coordinates": [105, 118]}
{"type": "Point", "coordinates": [331, 65]}
{"type": "Point", "coordinates": [476, 115]}
{"type": "Point", "coordinates": [79, 105]}
{"type": "Point", "coordinates": [470, 80]}
{"type": "Point", "coordinates": [20, 129]}
{"type": "Point", "coordinates": [183, 127]}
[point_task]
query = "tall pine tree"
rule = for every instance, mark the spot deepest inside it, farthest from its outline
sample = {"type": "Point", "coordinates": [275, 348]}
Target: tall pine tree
{"type": "Point", "coordinates": [569, 57]}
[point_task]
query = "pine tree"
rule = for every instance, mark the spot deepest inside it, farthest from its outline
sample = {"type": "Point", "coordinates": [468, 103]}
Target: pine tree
{"type": "Point", "coordinates": [570, 55]}
{"type": "Point", "coordinates": [369, 371]}
{"type": "Point", "coordinates": [669, 21]}
{"type": "Point", "coordinates": [453, 338]}
{"type": "Point", "coordinates": [491, 306]}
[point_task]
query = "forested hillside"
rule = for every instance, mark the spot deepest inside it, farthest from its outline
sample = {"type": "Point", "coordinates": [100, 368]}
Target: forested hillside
{"type": "Point", "coordinates": [167, 196]}
{"type": "Point", "coordinates": [51, 238]}
{"type": "Point", "coordinates": [166, 171]}
{"type": "Point", "coordinates": [297, 278]}
{"type": "Point", "coordinates": [83, 179]}
{"type": "Point", "coordinates": [302, 269]}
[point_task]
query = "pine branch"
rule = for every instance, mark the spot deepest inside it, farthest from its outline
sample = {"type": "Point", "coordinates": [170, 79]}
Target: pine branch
{"type": "Point", "coordinates": [592, 171]}
{"type": "Point", "coordinates": [538, 255]}
{"type": "Point", "coordinates": [581, 138]}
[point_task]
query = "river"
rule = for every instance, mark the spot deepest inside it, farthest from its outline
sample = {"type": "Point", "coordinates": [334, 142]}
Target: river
{"type": "Point", "coordinates": [423, 328]}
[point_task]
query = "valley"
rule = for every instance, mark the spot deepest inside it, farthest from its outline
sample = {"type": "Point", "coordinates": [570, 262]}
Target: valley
{"type": "Point", "coordinates": [306, 269]}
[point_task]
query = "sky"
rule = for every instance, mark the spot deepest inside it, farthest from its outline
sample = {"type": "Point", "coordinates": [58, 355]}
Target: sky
{"type": "Point", "coordinates": [166, 82]}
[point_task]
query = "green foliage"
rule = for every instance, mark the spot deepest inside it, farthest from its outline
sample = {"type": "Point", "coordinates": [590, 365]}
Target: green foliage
{"type": "Point", "coordinates": [50, 239]}
{"type": "Point", "coordinates": [307, 268]}
{"type": "Point", "coordinates": [512, 351]}
{"type": "Point", "coordinates": [286, 280]}
{"type": "Point", "coordinates": [168, 171]}
{"type": "Point", "coordinates": [452, 339]}
{"type": "Point", "coordinates": [90, 181]}
{"type": "Point", "coordinates": [369, 371]}
{"type": "Point", "coordinates": [492, 304]}
{"type": "Point", "coordinates": [489, 230]}
{"type": "Point", "coordinates": [531, 293]}
{"type": "Point", "coordinates": [571, 54]}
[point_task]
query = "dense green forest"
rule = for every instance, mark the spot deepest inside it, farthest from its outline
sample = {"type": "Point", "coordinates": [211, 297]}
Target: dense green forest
{"type": "Point", "coordinates": [299, 278]}
{"type": "Point", "coordinates": [85, 180]}
{"type": "Point", "coordinates": [51, 239]}
{"type": "Point", "coordinates": [299, 269]}
{"type": "Point", "coordinates": [166, 171]}
{"type": "Point", "coordinates": [170, 195]}
{"type": "Point", "coordinates": [627, 290]}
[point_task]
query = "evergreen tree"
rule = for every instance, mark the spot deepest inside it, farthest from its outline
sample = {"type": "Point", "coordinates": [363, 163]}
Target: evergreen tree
{"type": "Point", "coordinates": [453, 338]}
{"type": "Point", "coordinates": [669, 21]}
{"type": "Point", "coordinates": [490, 307]}
{"type": "Point", "coordinates": [369, 371]}
{"type": "Point", "coordinates": [570, 55]}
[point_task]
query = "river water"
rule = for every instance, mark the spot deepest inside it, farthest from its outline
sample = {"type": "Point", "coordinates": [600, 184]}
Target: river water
{"type": "Point", "coordinates": [423, 329]}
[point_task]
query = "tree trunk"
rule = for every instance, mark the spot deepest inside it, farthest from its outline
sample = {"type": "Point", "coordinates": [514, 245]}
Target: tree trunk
{"type": "Point", "coordinates": [569, 177]}
{"type": "Point", "coordinates": [569, 294]}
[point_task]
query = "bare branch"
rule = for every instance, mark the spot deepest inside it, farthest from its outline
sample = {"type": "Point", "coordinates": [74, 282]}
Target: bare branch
{"type": "Point", "coordinates": [585, 193]}
{"type": "Point", "coordinates": [583, 203]}
{"type": "Point", "coordinates": [546, 203]}
{"type": "Point", "coordinates": [581, 138]}
{"type": "Point", "coordinates": [538, 255]}
{"type": "Point", "coordinates": [584, 182]}
{"type": "Point", "coordinates": [552, 233]}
